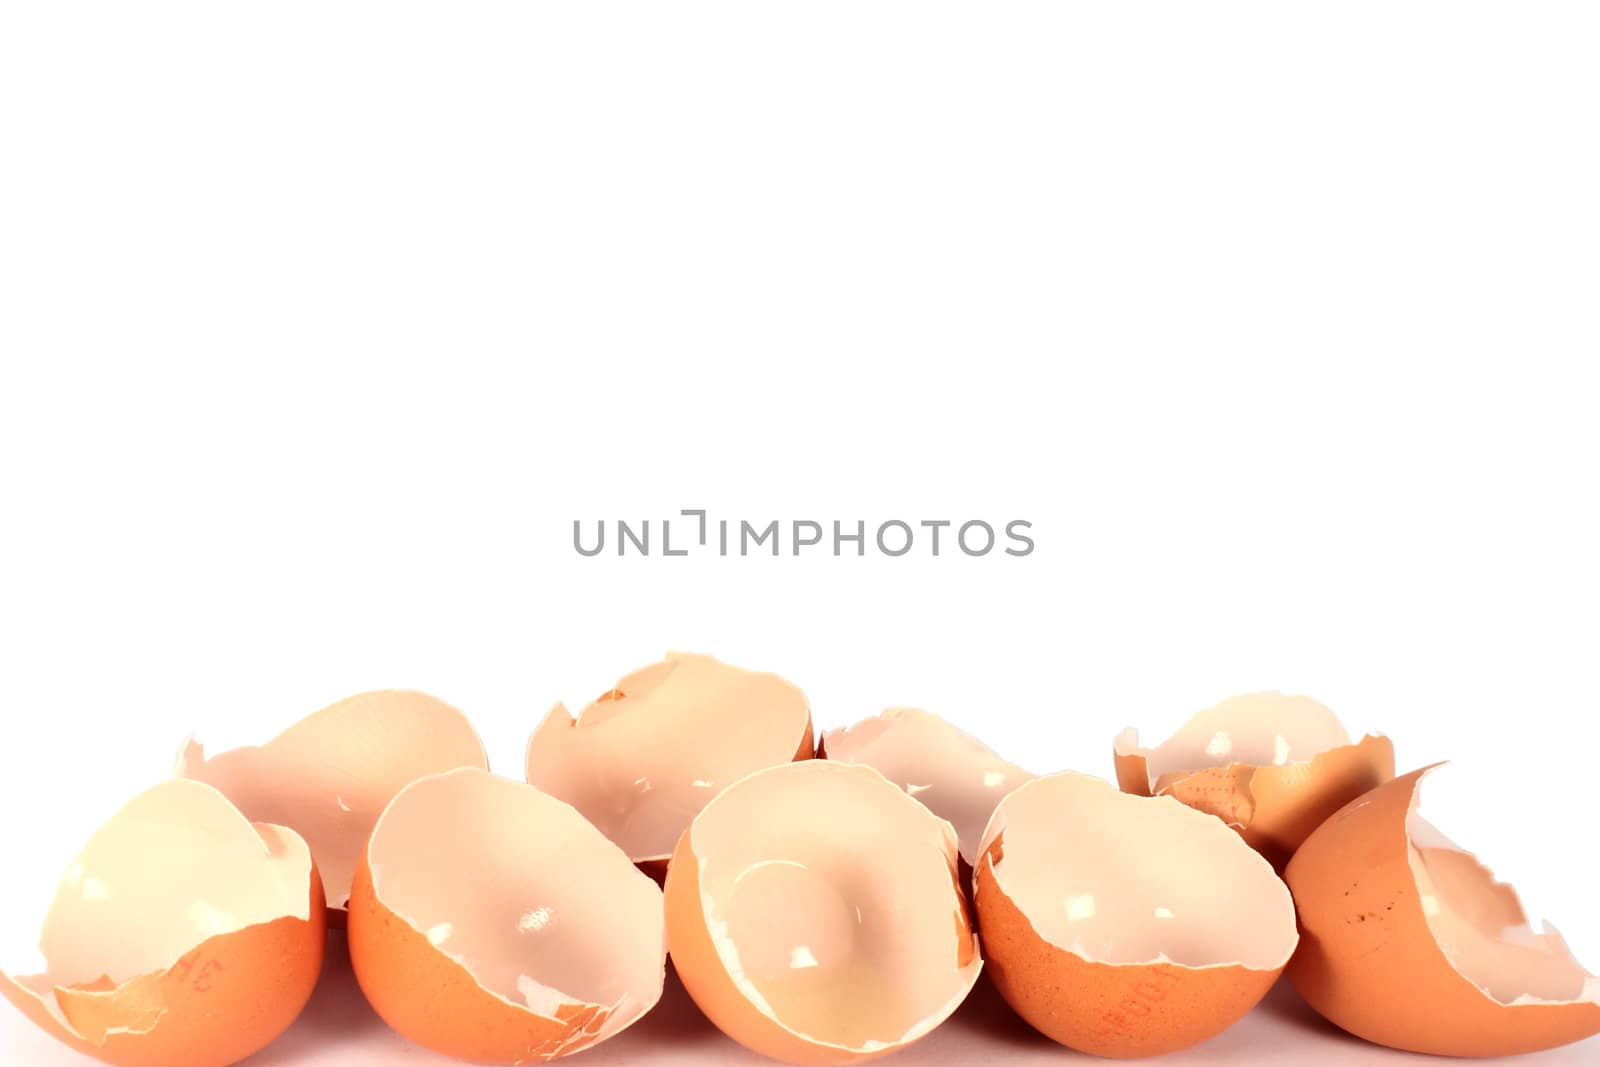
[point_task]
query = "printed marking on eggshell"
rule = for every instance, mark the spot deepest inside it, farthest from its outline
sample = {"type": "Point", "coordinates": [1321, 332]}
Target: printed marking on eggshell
{"type": "Point", "coordinates": [200, 972]}
{"type": "Point", "coordinates": [1139, 1003]}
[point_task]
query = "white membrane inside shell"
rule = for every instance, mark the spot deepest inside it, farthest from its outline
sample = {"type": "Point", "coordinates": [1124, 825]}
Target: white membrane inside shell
{"type": "Point", "coordinates": [178, 865]}
{"type": "Point", "coordinates": [1480, 926]}
{"type": "Point", "coordinates": [1259, 729]}
{"type": "Point", "coordinates": [330, 775]}
{"type": "Point", "coordinates": [831, 898]}
{"type": "Point", "coordinates": [1123, 879]}
{"type": "Point", "coordinates": [524, 893]}
{"type": "Point", "coordinates": [952, 773]}
{"type": "Point", "coordinates": [642, 761]}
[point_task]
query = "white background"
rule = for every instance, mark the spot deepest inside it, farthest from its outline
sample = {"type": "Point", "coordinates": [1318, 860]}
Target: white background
{"type": "Point", "coordinates": [321, 324]}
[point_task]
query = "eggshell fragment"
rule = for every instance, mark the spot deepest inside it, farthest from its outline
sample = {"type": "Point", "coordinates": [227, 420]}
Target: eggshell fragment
{"type": "Point", "coordinates": [814, 915]}
{"type": "Point", "coordinates": [1411, 943]}
{"type": "Point", "coordinates": [331, 774]}
{"type": "Point", "coordinates": [645, 757]}
{"type": "Point", "coordinates": [956, 776]}
{"type": "Point", "coordinates": [493, 923]}
{"type": "Point", "coordinates": [1126, 926]}
{"type": "Point", "coordinates": [181, 936]}
{"type": "Point", "coordinates": [1271, 766]}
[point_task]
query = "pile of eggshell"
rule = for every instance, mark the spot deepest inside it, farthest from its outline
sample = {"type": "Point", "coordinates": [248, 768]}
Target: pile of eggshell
{"type": "Point", "coordinates": [821, 902]}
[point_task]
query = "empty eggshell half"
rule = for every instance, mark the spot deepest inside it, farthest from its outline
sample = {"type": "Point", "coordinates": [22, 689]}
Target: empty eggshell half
{"type": "Point", "coordinates": [181, 936]}
{"type": "Point", "coordinates": [1411, 943]}
{"type": "Point", "coordinates": [1269, 765]}
{"type": "Point", "coordinates": [493, 923]}
{"type": "Point", "coordinates": [331, 774]}
{"type": "Point", "coordinates": [814, 915]}
{"type": "Point", "coordinates": [644, 758]}
{"type": "Point", "coordinates": [1122, 925]}
{"type": "Point", "coordinates": [955, 775]}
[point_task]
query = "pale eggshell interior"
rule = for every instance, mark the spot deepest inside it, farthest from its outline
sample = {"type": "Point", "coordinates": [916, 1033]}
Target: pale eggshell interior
{"type": "Point", "coordinates": [330, 775]}
{"type": "Point", "coordinates": [176, 866]}
{"type": "Point", "coordinates": [1481, 927]}
{"type": "Point", "coordinates": [952, 773]}
{"type": "Point", "coordinates": [1259, 729]}
{"type": "Point", "coordinates": [1123, 879]}
{"type": "Point", "coordinates": [642, 761]}
{"type": "Point", "coordinates": [831, 898]}
{"type": "Point", "coordinates": [519, 889]}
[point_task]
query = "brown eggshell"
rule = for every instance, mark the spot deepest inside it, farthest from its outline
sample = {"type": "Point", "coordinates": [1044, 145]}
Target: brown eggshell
{"type": "Point", "coordinates": [868, 849]}
{"type": "Point", "coordinates": [426, 995]}
{"type": "Point", "coordinates": [448, 983]}
{"type": "Point", "coordinates": [1140, 978]}
{"type": "Point", "coordinates": [225, 999]}
{"type": "Point", "coordinates": [330, 775]}
{"type": "Point", "coordinates": [694, 953]}
{"type": "Point", "coordinates": [1366, 883]}
{"type": "Point", "coordinates": [1273, 805]}
{"type": "Point", "coordinates": [640, 761]}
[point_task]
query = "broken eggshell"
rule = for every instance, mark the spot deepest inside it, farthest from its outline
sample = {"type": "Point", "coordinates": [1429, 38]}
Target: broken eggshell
{"type": "Point", "coordinates": [1271, 766]}
{"type": "Point", "coordinates": [1126, 926]}
{"type": "Point", "coordinates": [181, 936]}
{"type": "Point", "coordinates": [493, 923]}
{"type": "Point", "coordinates": [1411, 943]}
{"type": "Point", "coordinates": [956, 776]}
{"type": "Point", "coordinates": [331, 774]}
{"type": "Point", "coordinates": [642, 760]}
{"type": "Point", "coordinates": [814, 915]}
